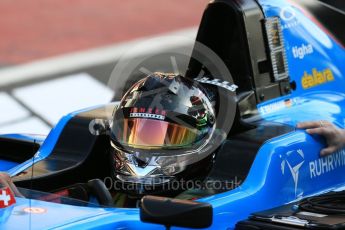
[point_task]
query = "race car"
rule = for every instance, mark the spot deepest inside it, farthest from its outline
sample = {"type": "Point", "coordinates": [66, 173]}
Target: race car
{"type": "Point", "coordinates": [286, 60]}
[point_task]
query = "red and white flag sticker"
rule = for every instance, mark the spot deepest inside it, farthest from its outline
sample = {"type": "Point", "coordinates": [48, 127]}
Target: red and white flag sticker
{"type": "Point", "coordinates": [6, 197]}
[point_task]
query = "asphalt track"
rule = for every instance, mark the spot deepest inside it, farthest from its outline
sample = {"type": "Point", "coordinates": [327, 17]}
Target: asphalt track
{"type": "Point", "coordinates": [35, 105]}
{"type": "Point", "coordinates": [37, 29]}
{"type": "Point", "coordinates": [34, 94]}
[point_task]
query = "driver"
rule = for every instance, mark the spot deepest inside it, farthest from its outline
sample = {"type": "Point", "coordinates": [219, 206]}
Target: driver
{"type": "Point", "coordinates": [163, 135]}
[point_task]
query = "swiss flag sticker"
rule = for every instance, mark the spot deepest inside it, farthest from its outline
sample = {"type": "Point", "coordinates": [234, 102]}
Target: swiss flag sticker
{"type": "Point", "coordinates": [6, 197]}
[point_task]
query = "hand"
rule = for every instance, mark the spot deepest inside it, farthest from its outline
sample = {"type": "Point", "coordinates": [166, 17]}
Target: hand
{"type": "Point", "coordinates": [6, 181]}
{"type": "Point", "coordinates": [335, 136]}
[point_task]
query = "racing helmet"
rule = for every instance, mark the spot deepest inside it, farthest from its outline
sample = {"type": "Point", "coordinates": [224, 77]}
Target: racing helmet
{"type": "Point", "coordinates": [163, 131]}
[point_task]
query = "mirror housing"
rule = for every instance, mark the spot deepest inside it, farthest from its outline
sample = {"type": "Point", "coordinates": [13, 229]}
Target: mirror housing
{"type": "Point", "coordinates": [175, 212]}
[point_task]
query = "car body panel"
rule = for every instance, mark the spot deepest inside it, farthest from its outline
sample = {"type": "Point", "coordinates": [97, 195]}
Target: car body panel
{"type": "Point", "coordinates": [286, 168]}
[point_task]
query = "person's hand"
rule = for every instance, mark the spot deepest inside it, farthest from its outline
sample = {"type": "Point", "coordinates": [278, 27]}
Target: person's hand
{"type": "Point", "coordinates": [6, 181]}
{"type": "Point", "coordinates": [335, 136]}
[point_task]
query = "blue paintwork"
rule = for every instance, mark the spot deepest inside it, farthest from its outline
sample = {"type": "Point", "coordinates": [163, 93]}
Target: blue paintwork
{"type": "Point", "coordinates": [270, 181]}
{"type": "Point", "coordinates": [325, 100]}
{"type": "Point", "coordinates": [25, 137]}
{"type": "Point", "coordinates": [48, 144]}
{"type": "Point", "coordinates": [6, 165]}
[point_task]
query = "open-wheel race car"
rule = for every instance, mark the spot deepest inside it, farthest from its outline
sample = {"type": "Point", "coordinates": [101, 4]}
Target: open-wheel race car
{"type": "Point", "coordinates": [286, 59]}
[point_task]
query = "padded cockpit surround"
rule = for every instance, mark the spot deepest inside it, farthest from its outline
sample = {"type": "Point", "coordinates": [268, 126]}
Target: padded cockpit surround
{"type": "Point", "coordinates": [237, 154]}
{"type": "Point", "coordinates": [78, 156]}
{"type": "Point", "coordinates": [17, 150]}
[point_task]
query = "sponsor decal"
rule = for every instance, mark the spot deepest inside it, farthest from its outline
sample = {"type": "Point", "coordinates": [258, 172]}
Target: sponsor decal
{"type": "Point", "coordinates": [302, 51]}
{"type": "Point", "coordinates": [224, 84]}
{"type": "Point", "coordinates": [276, 106]}
{"type": "Point", "coordinates": [316, 78]}
{"type": "Point", "coordinates": [289, 25]}
{"type": "Point", "coordinates": [287, 13]}
{"type": "Point", "coordinates": [292, 162]}
{"type": "Point", "coordinates": [147, 113]}
{"type": "Point", "coordinates": [293, 166]}
{"type": "Point", "coordinates": [35, 210]}
{"type": "Point", "coordinates": [326, 164]}
{"type": "Point", "coordinates": [288, 16]}
{"type": "Point", "coordinates": [6, 198]}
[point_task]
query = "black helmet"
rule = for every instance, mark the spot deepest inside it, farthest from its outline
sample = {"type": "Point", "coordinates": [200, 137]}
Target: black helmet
{"type": "Point", "coordinates": [162, 130]}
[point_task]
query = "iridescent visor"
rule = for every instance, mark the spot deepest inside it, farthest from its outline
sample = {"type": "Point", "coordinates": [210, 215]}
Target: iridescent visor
{"type": "Point", "coordinates": [150, 134]}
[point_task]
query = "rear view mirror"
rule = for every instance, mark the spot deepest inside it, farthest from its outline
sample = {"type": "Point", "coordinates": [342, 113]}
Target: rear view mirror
{"type": "Point", "coordinates": [175, 212]}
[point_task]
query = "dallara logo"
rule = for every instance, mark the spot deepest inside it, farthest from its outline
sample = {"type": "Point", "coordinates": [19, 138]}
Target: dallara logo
{"type": "Point", "coordinates": [316, 78]}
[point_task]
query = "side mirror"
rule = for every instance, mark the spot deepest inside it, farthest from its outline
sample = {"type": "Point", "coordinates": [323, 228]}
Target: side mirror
{"type": "Point", "coordinates": [175, 212]}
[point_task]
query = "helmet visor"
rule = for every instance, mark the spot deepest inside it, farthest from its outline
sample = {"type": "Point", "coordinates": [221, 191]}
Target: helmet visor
{"type": "Point", "coordinates": [150, 134]}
